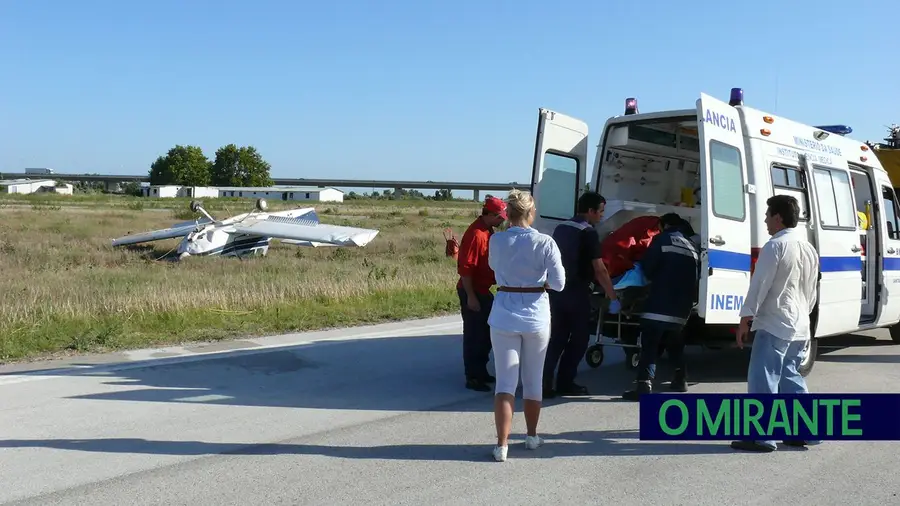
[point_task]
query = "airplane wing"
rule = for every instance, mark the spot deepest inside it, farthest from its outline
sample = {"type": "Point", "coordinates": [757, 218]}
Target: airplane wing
{"type": "Point", "coordinates": [177, 230]}
{"type": "Point", "coordinates": [306, 230]}
{"type": "Point", "coordinates": [309, 244]}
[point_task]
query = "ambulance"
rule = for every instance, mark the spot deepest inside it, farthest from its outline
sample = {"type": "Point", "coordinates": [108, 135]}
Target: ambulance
{"type": "Point", "coordinates": [716, 165]}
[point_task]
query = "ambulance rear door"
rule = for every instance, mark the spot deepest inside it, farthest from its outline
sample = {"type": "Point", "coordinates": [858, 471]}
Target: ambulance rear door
{"type": "Point", "coordinates": [559, 173]}
{"type": "Point", "coordinates": [725, 224]}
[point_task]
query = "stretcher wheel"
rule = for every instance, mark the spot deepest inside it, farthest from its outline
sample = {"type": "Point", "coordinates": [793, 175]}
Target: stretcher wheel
{"type": "Point", "coordinates": [632, 359]}
{"type": "Point", "coordinates": [594, 356]}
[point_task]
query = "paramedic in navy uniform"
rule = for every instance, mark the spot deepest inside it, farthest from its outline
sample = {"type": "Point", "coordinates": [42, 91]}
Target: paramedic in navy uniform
{"type": "Point", "coordinates": [780, 299]}
{"type": "Point", "coordinates": [671, 264]}
{"type": "Point", "coordinates": [570, 332]}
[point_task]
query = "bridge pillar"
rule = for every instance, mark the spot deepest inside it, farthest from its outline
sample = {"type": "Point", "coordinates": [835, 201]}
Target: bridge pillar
{"type": "Point", "coordinates": [476, 194]}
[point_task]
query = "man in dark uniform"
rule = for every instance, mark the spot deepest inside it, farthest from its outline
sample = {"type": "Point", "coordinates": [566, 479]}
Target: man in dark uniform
{"type": "Point", "coordinates": [570, 332]}
{"type": "Point", "coordinates": [474, 289]}
{"type": "Point", "coordinates": [672, 265]}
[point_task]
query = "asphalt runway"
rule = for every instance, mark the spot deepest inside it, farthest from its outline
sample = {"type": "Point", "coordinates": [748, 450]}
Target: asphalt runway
{"type": "Point", "coordinates": [379, 415]}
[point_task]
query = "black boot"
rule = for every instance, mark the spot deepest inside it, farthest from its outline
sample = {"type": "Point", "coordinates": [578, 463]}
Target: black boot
{"type": "Point", "coordinates": [679, 381]}
{"type": "Point", "coordinates": [642, 387]}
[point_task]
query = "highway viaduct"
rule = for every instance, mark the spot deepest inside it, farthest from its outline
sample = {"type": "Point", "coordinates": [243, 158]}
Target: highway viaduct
{"type": "Point", "coordinates": [114, 179]}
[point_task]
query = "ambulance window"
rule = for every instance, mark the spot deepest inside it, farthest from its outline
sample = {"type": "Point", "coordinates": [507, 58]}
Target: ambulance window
{"type": "Point", "coordinates": [787, 180]}
{"type": "Point", "coordinates": [559, 187]}
{"type": "Point", "coordinates": [727, 181]}
{"type": "Point", "coordinates": [786, 177]}
{"type": "Point", "coordinates": [779, 176]}
{"type": "Point", "coordinates": [891, 215]}
{"type": "Point", "coordinates": [835, 198]}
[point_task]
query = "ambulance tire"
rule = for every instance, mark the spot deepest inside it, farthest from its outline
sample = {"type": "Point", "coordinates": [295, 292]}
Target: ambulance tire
{"type": "Point", "coordinates": [895, 332]}
{"type": "Point", "coordinates": [806, 366]}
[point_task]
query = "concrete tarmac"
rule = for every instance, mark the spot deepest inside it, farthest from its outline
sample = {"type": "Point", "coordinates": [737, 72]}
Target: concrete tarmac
{"type": "Point", "coordinates": [379, 415]}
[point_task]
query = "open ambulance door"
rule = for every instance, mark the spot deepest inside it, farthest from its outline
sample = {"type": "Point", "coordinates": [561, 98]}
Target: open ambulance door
{"type": "Point", "coordinates": [724, 206]}
{"type": "Point", "coordinates": [559, 173]}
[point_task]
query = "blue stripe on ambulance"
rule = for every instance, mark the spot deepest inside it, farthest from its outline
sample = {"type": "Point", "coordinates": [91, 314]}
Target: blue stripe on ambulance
{"type": "Point", "coordinates": [740, 262]}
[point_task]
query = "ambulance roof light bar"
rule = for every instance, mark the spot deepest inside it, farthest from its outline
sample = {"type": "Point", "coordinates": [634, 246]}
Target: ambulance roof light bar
{"type": "Point", "coordinates": [836, 129]}
{"type": "Point", "coordinates": [737, 97]}
{"type": "Point", "coordinates": [631, 106]}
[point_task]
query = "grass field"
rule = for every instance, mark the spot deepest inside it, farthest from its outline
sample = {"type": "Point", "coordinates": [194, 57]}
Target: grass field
{"type": "Point", "coordinates": [65, 290]}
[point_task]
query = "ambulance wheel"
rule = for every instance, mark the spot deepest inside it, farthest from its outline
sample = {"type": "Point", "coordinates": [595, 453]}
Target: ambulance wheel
{"type": "Point", "coordinates": [895, 332]}
{"type": "Point", "coordinates": [632, 358]}
{"type": "Point", "coordinates": [594, 356]}
{"type": "Point", "coordinates": [809, 360]}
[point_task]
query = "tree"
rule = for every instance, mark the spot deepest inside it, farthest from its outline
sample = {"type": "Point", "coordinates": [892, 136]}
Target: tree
{"type": "Point", "coordinates": [182, 165]}
{"type": "Point", "coordinates": [243, 166]}
{"type": "Point", "coordinates": [132, 188]}
{"type": "Point", "coordinates": [443, 195]}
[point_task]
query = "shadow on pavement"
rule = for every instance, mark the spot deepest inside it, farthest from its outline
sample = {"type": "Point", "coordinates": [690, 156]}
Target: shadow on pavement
{"type": "Point", "coordinates": [828, 347]}
{"type": "Point", "coordinates": [862, 359]}
{"type": "Point", "coordinates": [572, 444]}
{"type": "Point", "coordinates": [414, 373]}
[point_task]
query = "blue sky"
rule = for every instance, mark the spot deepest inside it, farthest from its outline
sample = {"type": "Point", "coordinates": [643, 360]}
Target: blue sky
{"type": "Point", "coordinates": [413, 90]}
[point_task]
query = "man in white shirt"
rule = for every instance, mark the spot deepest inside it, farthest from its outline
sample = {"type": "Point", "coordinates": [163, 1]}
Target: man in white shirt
{"type": "Point", "coordinates": [781, 297]}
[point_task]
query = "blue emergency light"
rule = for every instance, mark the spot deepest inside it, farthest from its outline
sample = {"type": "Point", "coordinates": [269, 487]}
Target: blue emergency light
{"type": "Point", "coordinates": [631, 106]}
{"type": "Point", "coordinates": [836, 129]}
{"type": "Point", "coordinates": [737, 97]}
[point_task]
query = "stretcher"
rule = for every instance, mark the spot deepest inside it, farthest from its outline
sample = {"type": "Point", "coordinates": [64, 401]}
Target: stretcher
{"type": "Point", "coordinates": [619, 330]}
{"type": "Point", "coordinates": [623, 329]}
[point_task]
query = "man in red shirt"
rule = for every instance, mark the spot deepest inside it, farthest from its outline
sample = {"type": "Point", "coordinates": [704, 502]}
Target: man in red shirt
{"type": "Point", "coordinates": [475, 297]}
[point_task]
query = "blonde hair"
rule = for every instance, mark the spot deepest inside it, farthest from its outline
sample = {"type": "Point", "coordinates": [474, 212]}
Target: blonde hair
{"type": "Point", "coordinates": [519, 205]}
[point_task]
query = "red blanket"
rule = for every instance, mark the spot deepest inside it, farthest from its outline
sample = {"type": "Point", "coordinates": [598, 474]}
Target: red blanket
{"type": "Point", "coordinates": [622, 248]}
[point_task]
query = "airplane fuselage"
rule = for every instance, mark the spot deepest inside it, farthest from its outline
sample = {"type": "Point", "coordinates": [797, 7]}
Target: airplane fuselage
{"type": "Point", "coordinates": [213, 241]}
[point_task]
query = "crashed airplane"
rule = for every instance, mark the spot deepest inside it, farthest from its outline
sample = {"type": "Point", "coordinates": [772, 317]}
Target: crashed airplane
{"type": "Point", "coordinates": [249, 234]}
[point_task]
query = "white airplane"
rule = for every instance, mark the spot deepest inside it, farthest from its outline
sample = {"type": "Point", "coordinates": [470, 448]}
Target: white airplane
{"type": "Point", "coordinates": [250, 233]}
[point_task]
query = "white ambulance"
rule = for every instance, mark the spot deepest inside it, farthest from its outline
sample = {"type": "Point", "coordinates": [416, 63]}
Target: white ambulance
{"type": "Point", "coordinates": [715, 165]}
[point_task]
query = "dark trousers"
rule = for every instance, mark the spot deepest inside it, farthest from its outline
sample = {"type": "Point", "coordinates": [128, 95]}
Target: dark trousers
{"type": "Point", "coordinates": [654, 333]}
{"type": "Point", "coordinates": [476, 334]}
{"type": "Point", "coordinates": [570, 335]}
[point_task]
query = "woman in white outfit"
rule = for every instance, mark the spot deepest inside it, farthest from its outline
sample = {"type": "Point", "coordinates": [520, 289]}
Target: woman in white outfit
{"type": "Point", "coordinates": [525, 263]}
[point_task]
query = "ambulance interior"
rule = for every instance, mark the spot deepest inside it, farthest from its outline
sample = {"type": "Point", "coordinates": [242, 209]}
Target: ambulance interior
{"type": "Point", "coordinates": [646, 169]}
{"type": "Point", "coordinates": [650, 169]}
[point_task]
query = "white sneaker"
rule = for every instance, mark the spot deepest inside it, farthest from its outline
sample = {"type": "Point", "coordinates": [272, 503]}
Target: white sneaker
{"type": "Point", "coordinates": [533, 442]}
{"type": "Point", "coordinates": [500, 453]}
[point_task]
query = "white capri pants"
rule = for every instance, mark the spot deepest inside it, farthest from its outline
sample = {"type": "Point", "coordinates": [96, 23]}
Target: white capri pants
{"type": "Point", "coordinates": [516, 353]}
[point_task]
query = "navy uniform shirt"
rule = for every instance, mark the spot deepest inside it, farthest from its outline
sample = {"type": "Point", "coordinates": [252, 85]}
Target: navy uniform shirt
{"type": "Point", "coordinates": [579, 245]}
{"type": "Point", "coordinates": [672, 265]}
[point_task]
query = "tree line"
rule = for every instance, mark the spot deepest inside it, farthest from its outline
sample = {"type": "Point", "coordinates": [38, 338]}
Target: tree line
{"type": "Point", "coordinates": [232, 166]}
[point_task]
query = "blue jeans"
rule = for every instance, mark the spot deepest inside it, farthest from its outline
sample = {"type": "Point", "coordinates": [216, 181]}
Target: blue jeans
{"type": "Point", "coordinates": [774, 368]}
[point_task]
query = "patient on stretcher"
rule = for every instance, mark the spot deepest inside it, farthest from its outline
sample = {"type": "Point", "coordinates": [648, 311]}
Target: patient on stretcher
{"type": "Point", "coordinates": [631, 285]}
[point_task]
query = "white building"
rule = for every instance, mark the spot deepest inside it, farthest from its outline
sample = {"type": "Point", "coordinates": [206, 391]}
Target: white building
{"type": "Point", "coordinates": [172, 191]}
{"type": "Point", "coordinates": [303, 193]}
{"type": "Point", "coordinates": [26, 186]}
{"type": "Point", "coordinates": [308, 193]}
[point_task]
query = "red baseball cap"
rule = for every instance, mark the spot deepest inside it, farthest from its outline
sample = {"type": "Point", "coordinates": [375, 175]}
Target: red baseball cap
{"type": "Point", "coordinates": [495, 205]}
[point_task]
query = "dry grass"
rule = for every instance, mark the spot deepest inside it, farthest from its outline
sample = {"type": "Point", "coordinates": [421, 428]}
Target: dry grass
{"type": "Point", "coordinates": [64, 288]}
